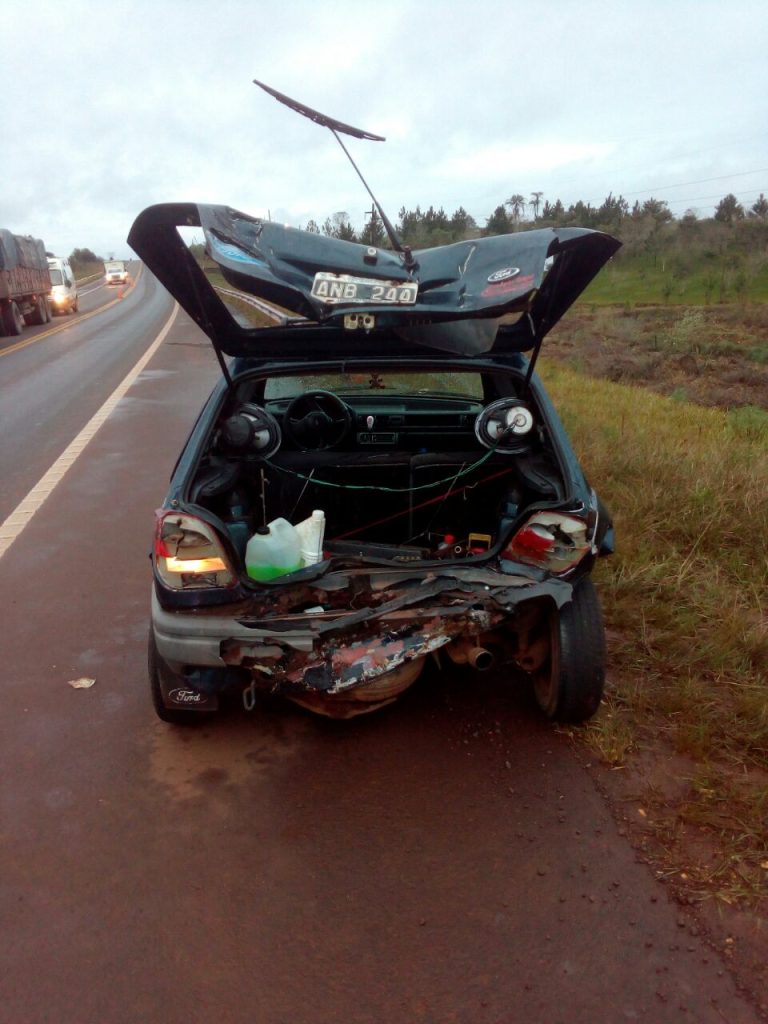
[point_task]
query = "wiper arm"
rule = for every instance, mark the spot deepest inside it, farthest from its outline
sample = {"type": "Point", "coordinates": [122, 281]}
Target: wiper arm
{"type": "Point", "coordinates": [337, 127]}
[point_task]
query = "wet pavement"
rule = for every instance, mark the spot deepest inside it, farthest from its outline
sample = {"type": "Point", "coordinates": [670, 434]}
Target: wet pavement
{"type": "Point", "coordinates": [448, 859]}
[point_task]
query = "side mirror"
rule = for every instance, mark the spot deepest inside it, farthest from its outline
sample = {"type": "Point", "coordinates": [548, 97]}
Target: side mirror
{"type": "Point", "coordinates": [67, 282]}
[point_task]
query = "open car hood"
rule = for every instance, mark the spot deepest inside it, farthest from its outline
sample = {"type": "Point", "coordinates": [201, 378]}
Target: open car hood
{"type": "Point", "coordinates": [500, 292]}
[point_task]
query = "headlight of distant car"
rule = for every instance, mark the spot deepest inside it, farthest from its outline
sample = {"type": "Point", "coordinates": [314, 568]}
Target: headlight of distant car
{"type": "Point", "coordinates": [189, 555]}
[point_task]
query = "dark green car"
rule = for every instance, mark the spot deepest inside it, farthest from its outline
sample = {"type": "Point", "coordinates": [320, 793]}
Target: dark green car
{"type": "Point", "coordinates": [393, 394]}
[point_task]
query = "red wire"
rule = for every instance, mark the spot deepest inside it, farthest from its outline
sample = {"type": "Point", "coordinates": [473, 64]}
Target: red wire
{"type": "Point", "coordinates": [424, 504]}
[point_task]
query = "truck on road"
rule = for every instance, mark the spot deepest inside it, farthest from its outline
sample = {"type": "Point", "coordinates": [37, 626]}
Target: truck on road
{"type": "Point", "coordinates": [116, 272]}
{"type": "Point", "coordinates": [25, 283]}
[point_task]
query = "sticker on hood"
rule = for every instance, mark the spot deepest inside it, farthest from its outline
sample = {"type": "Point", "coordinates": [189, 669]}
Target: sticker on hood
{"type": "Point", "coordinates": [503, 275]}
{"type": "Point", "coordinates": [507, 286]}
{"type": "Point", "coordinates": [232, 251]}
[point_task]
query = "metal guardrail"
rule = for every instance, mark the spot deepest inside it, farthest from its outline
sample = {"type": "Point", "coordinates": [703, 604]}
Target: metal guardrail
{"type": "Point", "coordinates": [263, 307]}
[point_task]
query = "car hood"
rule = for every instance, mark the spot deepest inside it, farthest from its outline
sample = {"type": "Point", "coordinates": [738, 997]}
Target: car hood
{"type": "Point", "coordinates": [499, 292]}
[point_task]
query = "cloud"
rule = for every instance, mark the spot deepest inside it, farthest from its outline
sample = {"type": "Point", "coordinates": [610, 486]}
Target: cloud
{"type": "Point", "coordinates": [144, 102]}
{"type": "Point", "coordinates": [506, 160]}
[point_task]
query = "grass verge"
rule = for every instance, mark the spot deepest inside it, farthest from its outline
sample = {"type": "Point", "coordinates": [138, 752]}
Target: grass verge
{"type": "Point", "coordinates": [85, 271]}
{"type": "Point", "coordinates": [686, 605]}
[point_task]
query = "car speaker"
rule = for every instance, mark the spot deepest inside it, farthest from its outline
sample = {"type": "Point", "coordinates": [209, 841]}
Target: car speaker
{"type": "Point", "coordinates": [505, 425]}
{"type": "Point", "coordinates": [253, 430]}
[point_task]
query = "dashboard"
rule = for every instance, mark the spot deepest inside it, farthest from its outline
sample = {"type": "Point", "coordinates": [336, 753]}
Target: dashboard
{"type": "Point", "coordinates": [317, 419]}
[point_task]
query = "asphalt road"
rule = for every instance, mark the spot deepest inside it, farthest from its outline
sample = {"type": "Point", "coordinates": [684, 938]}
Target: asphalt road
{"type": "Point", "coordinates": [53, 377]}
{"type": "Point", "coordinates": [448, 859]}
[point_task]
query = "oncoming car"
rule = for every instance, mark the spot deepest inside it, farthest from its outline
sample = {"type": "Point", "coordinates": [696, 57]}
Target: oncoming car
{"type": "Point", "coordinates": [401, 402]}
{"type": "Point", "coordinates": [64, 297]}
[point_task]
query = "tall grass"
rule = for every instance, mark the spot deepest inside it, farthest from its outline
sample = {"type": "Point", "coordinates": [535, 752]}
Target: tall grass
{"type": "Point", "coordinates": [687, 591]}
{"type": "Point", "coordinates": [685, 596]}
{"type": "Point", "coordinates": [83, 271]}
{"type": "Point", "coordinates": [643, 279]}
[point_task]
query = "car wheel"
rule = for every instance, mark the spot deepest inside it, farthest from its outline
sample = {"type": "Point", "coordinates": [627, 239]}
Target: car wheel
{"type": "Point", "coordinates": [157, 668]}
{"type": "Point", "coordinates": [569, 685]}
{"type": "Point", "coordinates": [12, 320]}
{"type": "Point", "coordinates": [75, 306]}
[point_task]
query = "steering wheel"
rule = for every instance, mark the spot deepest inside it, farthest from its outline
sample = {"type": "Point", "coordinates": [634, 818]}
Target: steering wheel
{"type": "Point", "coordinates": [317, 420]}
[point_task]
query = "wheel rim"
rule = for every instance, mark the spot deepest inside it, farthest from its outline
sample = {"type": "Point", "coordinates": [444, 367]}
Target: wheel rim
{"type": "Point", "coordinates": [546, 681]}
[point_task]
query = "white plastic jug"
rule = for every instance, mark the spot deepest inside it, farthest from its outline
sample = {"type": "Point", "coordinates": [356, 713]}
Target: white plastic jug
{"type": "Point", "coordinates": [311, 532]}
{"type": "Point", "coordinates": [273, 551]}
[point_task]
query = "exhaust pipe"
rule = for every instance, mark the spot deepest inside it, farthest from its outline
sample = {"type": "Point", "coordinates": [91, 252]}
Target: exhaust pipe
{"type": "Point", "coordinates": [464, 652]}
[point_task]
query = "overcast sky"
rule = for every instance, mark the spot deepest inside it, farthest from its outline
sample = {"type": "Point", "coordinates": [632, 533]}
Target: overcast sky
{"type": "Point", "coordinates": [106, 108]}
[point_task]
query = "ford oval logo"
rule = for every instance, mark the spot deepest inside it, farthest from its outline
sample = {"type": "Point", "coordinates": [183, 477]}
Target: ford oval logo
{"type": "Point", "coordinates": [503, 275]}
{"type": "Point", "coordinates": [182, 695]}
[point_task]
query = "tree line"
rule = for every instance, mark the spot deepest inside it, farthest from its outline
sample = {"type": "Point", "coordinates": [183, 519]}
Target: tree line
{"type": "Point", "coordinates": [424, 228]}
{"type": "Point", "coordinates": [83, 260]}
{"type": "Point", "coordinates": [421, 229]}
{"type": "Point", "coordinates": [642, 225]}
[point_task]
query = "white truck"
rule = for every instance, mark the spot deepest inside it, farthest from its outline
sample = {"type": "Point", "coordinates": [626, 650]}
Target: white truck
{"type": "Point", "coordinates": [116, 272]}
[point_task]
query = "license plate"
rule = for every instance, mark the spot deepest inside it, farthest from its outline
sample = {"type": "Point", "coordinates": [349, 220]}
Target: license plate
{"type": "Point", "coordinates": [342, 288]}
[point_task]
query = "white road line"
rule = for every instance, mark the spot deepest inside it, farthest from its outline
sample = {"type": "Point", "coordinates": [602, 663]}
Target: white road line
{"type": "Point", "coordinates": [22, 514]}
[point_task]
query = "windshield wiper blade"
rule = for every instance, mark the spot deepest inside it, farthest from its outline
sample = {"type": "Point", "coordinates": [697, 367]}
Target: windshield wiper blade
{"type": "Point", "coordinates": [317, 117]}
{"type": "Point", "coordinates": [335, 127]}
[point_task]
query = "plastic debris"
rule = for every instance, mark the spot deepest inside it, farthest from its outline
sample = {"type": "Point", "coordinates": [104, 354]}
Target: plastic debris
{"type": "Point", "coordinates": [83, 683]}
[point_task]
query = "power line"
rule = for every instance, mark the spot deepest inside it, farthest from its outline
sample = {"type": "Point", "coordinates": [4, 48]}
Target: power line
{"type": "Point", "coordinates": [743, 196]}
{"type": "Point", "coordinates": [684, 184]}
{"type": "Point", "coordinates": [702, 181]}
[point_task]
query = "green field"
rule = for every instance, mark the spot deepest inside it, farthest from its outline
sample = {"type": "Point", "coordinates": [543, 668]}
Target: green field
{"type": "Point", "coordinates": [693, 262]}
{"type": "Point", "coordinates": [668, 280]}
{"type": "Point", "coordinates": [85, 271]}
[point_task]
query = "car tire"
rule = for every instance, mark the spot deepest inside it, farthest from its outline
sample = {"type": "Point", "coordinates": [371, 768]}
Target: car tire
{"type": "Point", "coordinates": [75, 306]}
{"type": "Point", "coordinates": [156, 667]}
{"type": "Point", "coordinates": [569, 686]}
{"type": "Point", "coordinates": [13, 322]}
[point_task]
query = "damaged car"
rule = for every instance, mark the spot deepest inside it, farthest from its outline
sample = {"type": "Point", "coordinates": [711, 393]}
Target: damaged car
{"type": "Point", "coordinates": [379, 478]}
